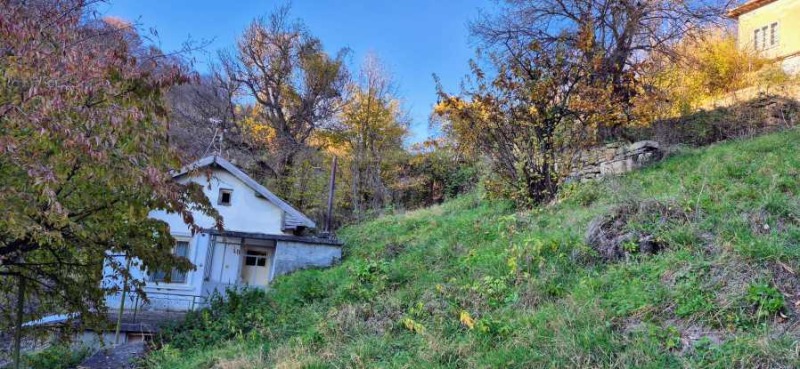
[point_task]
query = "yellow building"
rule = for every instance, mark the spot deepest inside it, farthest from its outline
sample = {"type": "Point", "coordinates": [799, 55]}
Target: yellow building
{"type": "Point", "coordinates": [772, 27]}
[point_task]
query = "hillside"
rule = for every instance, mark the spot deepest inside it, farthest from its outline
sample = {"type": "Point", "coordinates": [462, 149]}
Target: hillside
{"type": "Point", "coordinates": [692, 265]}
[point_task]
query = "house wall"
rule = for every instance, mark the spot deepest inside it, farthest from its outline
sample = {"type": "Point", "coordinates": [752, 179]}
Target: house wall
{"type": "Point", "coordinates": [786, 13]}
{"type": "Point", "coordinates": [218, 259]}
{"type": "Point", "coordinates": [224, 271]}
{"type": "Point", "coordinates": [164, 296]}
{"type": "Point", "coordinates": [292, 256]}
{"type": "Point", "coordinates": [247, 212]}
{"type": "Point", "coordinates": [226, 260]}
{"type": "Point", "coordinates": [792, 64]}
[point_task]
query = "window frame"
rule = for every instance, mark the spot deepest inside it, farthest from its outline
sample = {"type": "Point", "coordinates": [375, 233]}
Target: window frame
{"type": "Point", "coordinates": [159, 276]}
{"type": "Point", "coordinates": [222, 193]}
{"type": "Point", "coordinates": [774, 34]}
{"type": "Point", "coordinates": [257, 257]}
{"type": "Point", "coordinates": [756, 34]}
{"type": "Point", "coordinates": [766, 37]}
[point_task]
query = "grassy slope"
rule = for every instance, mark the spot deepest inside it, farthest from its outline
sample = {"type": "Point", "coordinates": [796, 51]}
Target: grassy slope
{"type": "Point", "coordinates": [412, 284]}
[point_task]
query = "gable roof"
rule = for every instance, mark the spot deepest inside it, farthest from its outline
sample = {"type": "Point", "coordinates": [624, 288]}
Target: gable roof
{"type": "Point", "coordinates": [748, 7]}
{"type": "Point", "coordinates": [293, 219]}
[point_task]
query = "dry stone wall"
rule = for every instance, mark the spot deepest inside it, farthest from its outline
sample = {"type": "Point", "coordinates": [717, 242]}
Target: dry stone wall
{"type": "Point", "coordinates": [615, 159]}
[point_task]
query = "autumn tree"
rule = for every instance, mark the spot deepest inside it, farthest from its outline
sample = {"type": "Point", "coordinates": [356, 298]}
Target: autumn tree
{"type": "Point", "coordinates": [83, 156]}
{"type": "Point", "coordinates": [528, 120]}
{"type": "Point", "coordinates": [369, 135]}
{"type": "Point", "coordinates": [613, 36]}
{"type": "Point", "coordinates": [295, 86]}
{"type": "Point", "coordinates": [435, 170]}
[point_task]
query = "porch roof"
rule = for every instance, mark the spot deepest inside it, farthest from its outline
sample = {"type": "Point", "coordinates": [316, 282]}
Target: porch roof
{"type": "Point", "coordinates": [276, 237]}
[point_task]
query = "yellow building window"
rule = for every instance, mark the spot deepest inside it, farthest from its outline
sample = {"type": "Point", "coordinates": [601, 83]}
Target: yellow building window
{"type": "Point", "coordinates": [756, 38]}
{"type": "Point", "coordinates": [766, 37]}
{"type": "Point", "coordinates": [773, 34]}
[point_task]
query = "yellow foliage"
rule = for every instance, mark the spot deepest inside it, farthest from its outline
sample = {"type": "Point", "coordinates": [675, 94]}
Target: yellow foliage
{"type": "Point", "coordinates": [413, 326]}
{"type": "Point", "coordinates": [466, 320]}
{"type": "Point", "coordinates": [709, 64]}
{"type": "Point", "coordinates": [512, 265]}
{"type": "Point", "coordinates": [254, 127]}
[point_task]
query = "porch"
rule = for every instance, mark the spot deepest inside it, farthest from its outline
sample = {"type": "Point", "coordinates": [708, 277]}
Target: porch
{"type": "Point", "coordinates": [241, 259]}
{"type": "Point", "coordinates": [224, 260]}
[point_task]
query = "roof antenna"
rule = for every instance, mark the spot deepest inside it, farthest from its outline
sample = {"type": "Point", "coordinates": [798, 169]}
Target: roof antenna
{"type": "Point", "coordinates": [219, 137]}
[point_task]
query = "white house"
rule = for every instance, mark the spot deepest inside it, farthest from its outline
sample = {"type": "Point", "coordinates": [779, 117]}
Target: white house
{"type": "Point", "coordinates": [260, 242]}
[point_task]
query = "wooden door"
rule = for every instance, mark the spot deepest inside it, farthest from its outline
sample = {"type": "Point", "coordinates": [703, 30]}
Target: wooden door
{"type": "Point", "coordinates": [256, 266]}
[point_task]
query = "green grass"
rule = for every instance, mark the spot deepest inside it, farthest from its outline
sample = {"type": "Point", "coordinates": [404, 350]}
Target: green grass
{"type": "Point", "coordinates": [476, 283]}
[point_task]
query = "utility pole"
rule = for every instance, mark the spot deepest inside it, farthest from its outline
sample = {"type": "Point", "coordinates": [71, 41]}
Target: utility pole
{"type": "Point", "coordinates": [331, 191]}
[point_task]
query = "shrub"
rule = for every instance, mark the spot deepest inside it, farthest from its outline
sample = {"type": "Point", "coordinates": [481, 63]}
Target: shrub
{"type": "Point", "coordinates": [235, 314]}
{"type": "Point", "coordinates": [369, 279]}
{"type": "Point", "coordinates": [60, 356]}
{"type": "Point", "coordinates": [704, 127]}
{"type": "Point", "coordinates": [306, 287]}
{"type": "Point", "coordinates": [709, 64]}
{"type": "Point", "coordinates": [766, 300]}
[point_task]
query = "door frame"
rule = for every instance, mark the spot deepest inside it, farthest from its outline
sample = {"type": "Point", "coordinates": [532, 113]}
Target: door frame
{"type": "Point", "coordinates": [270, 258]}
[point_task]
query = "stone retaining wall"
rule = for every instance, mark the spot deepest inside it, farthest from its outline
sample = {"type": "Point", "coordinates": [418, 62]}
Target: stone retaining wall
{"type": "Point", "coordinates": [614, 159]}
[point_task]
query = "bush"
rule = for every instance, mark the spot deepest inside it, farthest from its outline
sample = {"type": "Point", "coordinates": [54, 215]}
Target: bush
{"type": "Point", "coordinates": [764, 114]}
{"type": "Point", "coordinates": [237, 314]}
{"type": "Point", "coordinates": [709, 65]}
{"type": "Point", "coordinates": [61, 356]}
{"type": "Point", "coordinates": [306, 287]}
{"type": "Point", "coordinates": [369, 279]}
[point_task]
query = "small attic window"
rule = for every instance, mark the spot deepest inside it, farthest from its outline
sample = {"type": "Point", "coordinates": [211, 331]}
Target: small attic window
{"type": "Point", "coordinates": [225, 196]}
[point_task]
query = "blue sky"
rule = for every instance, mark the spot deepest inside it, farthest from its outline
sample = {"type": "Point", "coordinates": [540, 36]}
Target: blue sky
{"type": "Point", "coordinates": [413, 38]}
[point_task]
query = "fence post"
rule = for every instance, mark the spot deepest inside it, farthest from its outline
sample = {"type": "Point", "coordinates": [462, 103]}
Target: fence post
{"type": "Point", "coordinates": [122, 300]}
{"type": "Point", "coordinates": [135, 307]}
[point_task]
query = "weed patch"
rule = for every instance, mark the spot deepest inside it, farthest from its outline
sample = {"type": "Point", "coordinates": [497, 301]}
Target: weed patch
{"type": "Point", "coordinates": [616, 236]}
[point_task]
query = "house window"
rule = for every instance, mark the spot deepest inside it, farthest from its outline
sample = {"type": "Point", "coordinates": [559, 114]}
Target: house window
{"type": "Point", "coordinates": [255, 258]}
{"type": "Point", "coordinates": [175, 276]}
{"type": "Point", "coordinates": [773, 34]}
{"type": "Point", "coordinates": [766, 37]}
{"type": "Point", "coordinates": [756, 36]}
{"type": "Point", "coordinates": [225, 197]}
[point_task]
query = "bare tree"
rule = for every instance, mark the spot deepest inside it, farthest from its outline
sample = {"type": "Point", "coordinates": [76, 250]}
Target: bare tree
{"type": "Point", "coordinates": [613, 35]}
{"type": "Point", "coordinates": [202, 117]}
{"type": "Point", "coordinates": [295, 85]}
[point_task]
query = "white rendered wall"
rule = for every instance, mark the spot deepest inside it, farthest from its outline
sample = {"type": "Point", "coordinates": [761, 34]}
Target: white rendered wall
{"type": "Point", "coordinates": [291, 256]}
{"type": "Point", "coordinates": [247, 212]}
{"type": "Point", "coordinates": [792, 65]}
{"type": "Point", "coordinates": [164, 296]}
